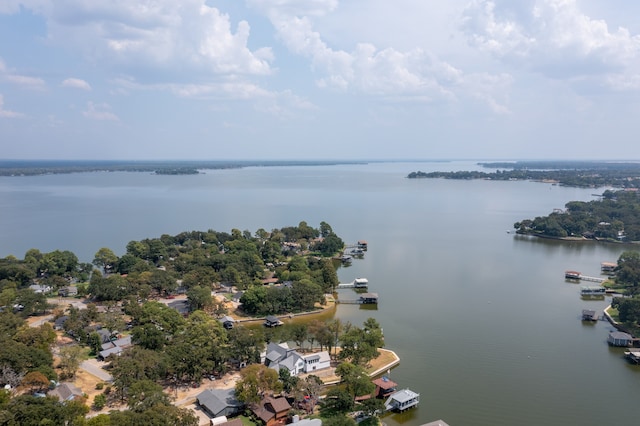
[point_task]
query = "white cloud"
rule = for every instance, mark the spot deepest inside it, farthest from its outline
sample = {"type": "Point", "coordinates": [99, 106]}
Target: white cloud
{"type": "Point", "coordinates": [13, 6]}
{"type": "Point", "coordinates": [556, 39]}
{"type": "Point", "coordinates": [164, 34]}
{"type": "Point", "coordinates": [100, 111]}
{"type": "Point", "coordinates": [76, 83]}
{"type": "Point", "coordinates": [294, 7]}
{"type": "Point", "coordinates": [34, 83]}
{"type": "Point", "coordinates": [5, 113]}
{"type": "Point", "coordinates": [392, 74]}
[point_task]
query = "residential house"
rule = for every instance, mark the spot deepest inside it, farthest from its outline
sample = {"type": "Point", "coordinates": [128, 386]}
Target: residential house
{"type": "Point", "coordinates": [227, 322]}
{"type": "Point", "coordinates": [279, 355]}
{"type": "Point", "coordinates": [273, 411]}
{"type": "Point", "coordinates": [182, 306]}
{"type": "Point", "coordinates": [66, 392]}
{"type": "Point", "coordinates": [384, 387]}
{"type": "Point", "coordinates": [233, 422]}
{"type": "Point", "coordinates": [316, 361]}
{"type": "Point", "coordinates": [68, 291]}
{"type": "Point", "coordinates": [40, 289]}
{"type": "Point", "coordinates": [58, 324]}
{"type": "Point", "coordinates": [219, 402]}
{"type": "Point", "coordinates": [114, 347]}
{"type": "Point", "coordinates": [237, 296]}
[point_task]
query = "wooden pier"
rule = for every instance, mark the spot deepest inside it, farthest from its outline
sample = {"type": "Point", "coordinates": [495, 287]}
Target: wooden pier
{"type": "Point", "coordinates": [592, 279]}
{"type": "Point", "coordinates": [575, 275]}
{"type": "Point", "coordinates": [364, 299]}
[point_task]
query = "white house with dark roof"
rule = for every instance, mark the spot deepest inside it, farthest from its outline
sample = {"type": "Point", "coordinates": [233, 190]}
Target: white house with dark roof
{"type": "Point", "coordinates": [279, 355]}
{"type": "Point", "coordinates": [316, 361]}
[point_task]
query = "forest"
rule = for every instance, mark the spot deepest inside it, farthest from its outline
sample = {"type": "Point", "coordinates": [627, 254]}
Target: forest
{"type": "Point", "coordinates": [584, 174]}
{"type": "Point", "coordinates": [614, 217]}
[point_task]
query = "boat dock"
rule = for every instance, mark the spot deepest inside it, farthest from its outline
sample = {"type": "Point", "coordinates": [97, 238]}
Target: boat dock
{"type": "Point", "coordinates": [357, 283]}
{"type": "Point", "coordinates": [364, 299]}
{"type": "Point", "coordinates": [575, 275]}
{"type": "Point", "coordinates": [633, 355]}
{"type": "Point", "coordinates": [402, 400]}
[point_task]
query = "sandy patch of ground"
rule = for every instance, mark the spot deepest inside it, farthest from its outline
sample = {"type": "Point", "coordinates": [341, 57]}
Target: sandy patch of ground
{"type": "Point", "coordinates": [187, 395]}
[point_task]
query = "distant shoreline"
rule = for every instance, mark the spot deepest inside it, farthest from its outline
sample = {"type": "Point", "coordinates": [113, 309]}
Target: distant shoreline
{"type": "Point", "coordinates": [575, 239]}
{"type": "Point", "coordinates": [18, 168]}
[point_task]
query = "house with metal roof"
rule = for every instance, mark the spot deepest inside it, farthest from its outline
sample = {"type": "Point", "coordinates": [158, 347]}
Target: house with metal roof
{"type": "Point", "coordinates": [619, 338]}
{"type": "Point", "coordinates": [402, 400]}
{"type": "Point", "coordinates": [66, 392]}
{"type": "Point", "coordinates": [279, 355]}
{"type": "Point", "coordinates": [219, 402]}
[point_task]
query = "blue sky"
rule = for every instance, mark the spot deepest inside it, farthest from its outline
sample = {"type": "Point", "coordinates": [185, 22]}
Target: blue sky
{"type": "Point", "coordinates": [319, 79]}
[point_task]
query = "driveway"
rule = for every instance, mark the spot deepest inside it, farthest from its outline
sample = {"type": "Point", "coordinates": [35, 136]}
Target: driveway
{"type": "Point", "coordinates": [94, 367]}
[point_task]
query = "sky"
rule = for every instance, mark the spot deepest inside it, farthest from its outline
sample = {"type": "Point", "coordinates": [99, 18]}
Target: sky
{"type": "Point", "coordinates": [319, 79]}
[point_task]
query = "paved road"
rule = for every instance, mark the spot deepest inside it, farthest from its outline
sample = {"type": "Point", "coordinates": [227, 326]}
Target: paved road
{"type": "Point", "coordinates": [94, 367]}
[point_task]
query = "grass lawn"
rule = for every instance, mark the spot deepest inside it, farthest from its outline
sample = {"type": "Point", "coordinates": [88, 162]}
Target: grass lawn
{"type": "Point", "coordinates": [385, 358]}
{"type": "Point", "coordinates": [246, 421]}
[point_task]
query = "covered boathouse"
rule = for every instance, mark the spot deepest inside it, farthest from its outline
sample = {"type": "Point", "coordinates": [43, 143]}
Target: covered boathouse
{"type": "Point", "coordinates": [619, 338]}
{"type": "Point", "coordinates": [402, 400]}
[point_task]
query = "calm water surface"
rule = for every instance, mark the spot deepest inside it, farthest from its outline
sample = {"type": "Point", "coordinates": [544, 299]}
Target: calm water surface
{"type": "Point", "coordinates": [488, 331]}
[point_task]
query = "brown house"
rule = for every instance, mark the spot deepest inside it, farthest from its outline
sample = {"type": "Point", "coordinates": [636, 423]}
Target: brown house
{"type": "Point", "coordinates": [384, 387]}
{"type": "Point", "coordinates": [273, 411]}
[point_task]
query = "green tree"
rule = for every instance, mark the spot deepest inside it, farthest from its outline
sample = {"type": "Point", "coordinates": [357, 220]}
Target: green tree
{"type": "Point", "coordinates": [355, 379]}
{"type": "Point", "coordinates": [628, 269]}
{"type": "Point", "coordinates": [145, 394]}
{"type": "Point", "coordinates": [149, 336]}
{"type": "Point", "coordinates": [106, 259]}
{"type": "Point", "coordinates": [245, 344]}
{"type": "Point", "coordinates": [32, 303]}
{"type": "Point", "coordinates": [158, 415]}
{"type": "Point", "coordinates": [298, 333]}
{"type": "Point", "coordinates": [99, 401]}
{"type": "Point", "coordinates": [357, 346]}
{"type": "Point", "coordinates": [199, 298]}
{"type": "Point", "coordinates": [288, 381]}
{"type": "Point", "coordinates": [198, 349]}
{"type": "Point", "coordinates": [255, 382]}
{"type": "Point", "coordinates": [337, 402]}
{"type": "Point", "coordinates": [70, 358]}
{"type": "Point", "coordinates": [136, 364]}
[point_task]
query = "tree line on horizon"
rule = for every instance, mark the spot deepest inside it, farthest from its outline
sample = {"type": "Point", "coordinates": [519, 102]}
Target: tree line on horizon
{"type": "Point", "coordinates": [614, 217]}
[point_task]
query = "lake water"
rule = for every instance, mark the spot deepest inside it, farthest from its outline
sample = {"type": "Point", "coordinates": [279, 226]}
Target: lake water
{"type": "Point", "coordinates": [487, 329]}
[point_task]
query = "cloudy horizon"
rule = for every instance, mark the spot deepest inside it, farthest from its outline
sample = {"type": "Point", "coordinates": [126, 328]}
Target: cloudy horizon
{"type": "Point", "coordinates": [319, 79]}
